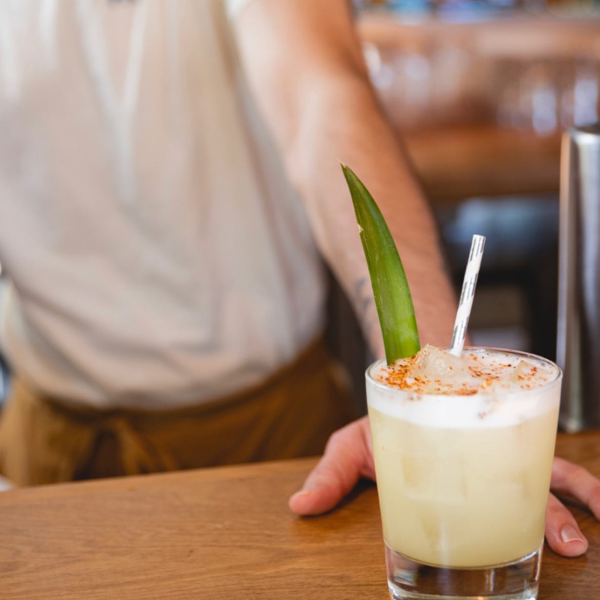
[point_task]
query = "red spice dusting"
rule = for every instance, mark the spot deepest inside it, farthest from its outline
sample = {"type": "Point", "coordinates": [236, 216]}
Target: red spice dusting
{"type": "Point", "coordinates": [484, 375]}
{"type": "Point", "coordinates": [488, 382]}
{"type": "Point", "coordinates": [464, 391]}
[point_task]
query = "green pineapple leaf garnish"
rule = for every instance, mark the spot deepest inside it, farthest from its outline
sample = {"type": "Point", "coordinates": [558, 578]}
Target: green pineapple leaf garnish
{"type": "Point", "coordinates": [390, 286]}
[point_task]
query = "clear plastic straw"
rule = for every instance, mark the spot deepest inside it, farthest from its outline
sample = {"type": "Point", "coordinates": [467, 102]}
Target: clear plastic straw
{"type": "Point", "coordinates": [466, 297]}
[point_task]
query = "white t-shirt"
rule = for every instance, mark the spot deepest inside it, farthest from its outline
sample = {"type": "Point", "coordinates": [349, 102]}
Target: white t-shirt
{"type": "Point", "coordinates": [157, 254]}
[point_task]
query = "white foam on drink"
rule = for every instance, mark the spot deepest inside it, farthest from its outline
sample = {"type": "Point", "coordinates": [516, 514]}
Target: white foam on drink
{"type": "Point", "coordinates": [508, 401]}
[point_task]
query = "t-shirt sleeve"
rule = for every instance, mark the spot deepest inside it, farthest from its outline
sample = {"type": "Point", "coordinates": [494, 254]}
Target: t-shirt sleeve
{"type": "Point", "coordinates": [235, 7]}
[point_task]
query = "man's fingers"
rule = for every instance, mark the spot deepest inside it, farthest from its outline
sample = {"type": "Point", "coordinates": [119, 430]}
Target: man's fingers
{"type": "Point", "coordinates": [562, 532]}
{"type": "Point", "coordinates": [568, 478]}
{"type": "Point", "coordinates": [347, 457]}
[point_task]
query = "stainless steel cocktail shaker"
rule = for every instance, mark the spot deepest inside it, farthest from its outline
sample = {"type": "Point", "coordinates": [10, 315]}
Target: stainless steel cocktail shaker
{"type": "Point", "coordinates": [578, 349]}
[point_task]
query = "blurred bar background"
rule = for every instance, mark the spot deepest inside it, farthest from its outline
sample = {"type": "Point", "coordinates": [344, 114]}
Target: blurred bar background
{"type": "Point", "coordinates": [480, 93]}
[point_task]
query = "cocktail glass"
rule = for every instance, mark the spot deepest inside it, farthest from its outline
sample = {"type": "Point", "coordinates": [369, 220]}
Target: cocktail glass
{"type": "Point", "coordinates": [463, 484]}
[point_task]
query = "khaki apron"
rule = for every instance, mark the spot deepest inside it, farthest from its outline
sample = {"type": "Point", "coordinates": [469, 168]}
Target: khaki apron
{"type": "Point", "coordinates": [45, 441]}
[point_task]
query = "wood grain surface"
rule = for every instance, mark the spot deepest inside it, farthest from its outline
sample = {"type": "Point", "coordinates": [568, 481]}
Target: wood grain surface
{"type": "Point", "coordinates": [221, 534]}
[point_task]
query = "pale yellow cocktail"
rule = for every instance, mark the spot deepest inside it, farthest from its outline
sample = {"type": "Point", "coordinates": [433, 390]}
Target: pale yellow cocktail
{"type": "Point", "coordinates": [463, 477]}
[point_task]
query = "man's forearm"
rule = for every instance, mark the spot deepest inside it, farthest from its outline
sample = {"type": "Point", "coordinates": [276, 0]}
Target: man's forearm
{"type": "Point", "coordinates": [307, 72]}
{"type": "Point", "coordinates": [343, 123]}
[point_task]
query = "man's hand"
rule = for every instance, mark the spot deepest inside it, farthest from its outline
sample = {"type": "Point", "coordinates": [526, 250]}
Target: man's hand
{"type": "Point", "coordinates": [349, 456]}
{"type": "Point", "coordinates": [562, 533]}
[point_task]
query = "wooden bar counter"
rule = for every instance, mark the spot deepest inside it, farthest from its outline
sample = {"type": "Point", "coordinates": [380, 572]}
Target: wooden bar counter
{"type": "Point", "coordinates": [223, 533]}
